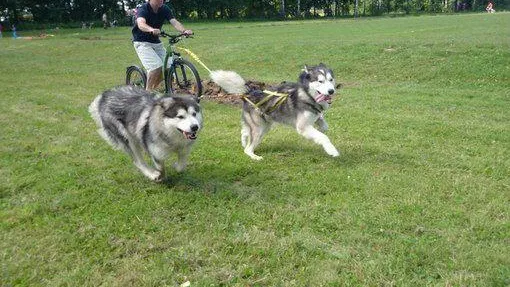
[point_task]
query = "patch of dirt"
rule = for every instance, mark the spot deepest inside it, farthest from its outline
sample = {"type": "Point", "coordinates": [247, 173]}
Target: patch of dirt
{"type": "Point", "coordinates": [94, 38]}
{"type": "Point", "coordinates": [213, 92]}
{"type": "Point", "coordinates": [97, 38]}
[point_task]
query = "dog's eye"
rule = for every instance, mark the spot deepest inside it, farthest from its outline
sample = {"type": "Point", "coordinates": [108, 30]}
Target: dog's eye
{"type": "Point", "coordinates": [180, 117]}
{"type": "Point", "coordinates": [194, 114]}
{"type": "Point", "coordinates": [321, 81]}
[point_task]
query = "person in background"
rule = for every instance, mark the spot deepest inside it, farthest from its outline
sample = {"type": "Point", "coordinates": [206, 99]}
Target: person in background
{"type": "Point", "coordinates": [149, 20]}
{"type": "Point", "coordinates": [490, 7]}
{"type": "Point", "coordinates": [105, 21]}
{"type": "Point", "coordinates": [14, 34]}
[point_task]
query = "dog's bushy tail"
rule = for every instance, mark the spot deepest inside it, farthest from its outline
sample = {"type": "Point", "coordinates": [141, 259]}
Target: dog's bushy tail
{"type": "Point", "coordinates": [230, 81]}
{"type": "Point", "coordinates": [114, 140]}
{"type": "Point", "coordinates": [94, 111]}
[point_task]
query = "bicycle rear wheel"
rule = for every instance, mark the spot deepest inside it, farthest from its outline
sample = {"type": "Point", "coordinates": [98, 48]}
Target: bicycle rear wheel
{"type": "Point", "coordinates": [183, 78]}
{"type": "Point", "coordinates": [135, 76]}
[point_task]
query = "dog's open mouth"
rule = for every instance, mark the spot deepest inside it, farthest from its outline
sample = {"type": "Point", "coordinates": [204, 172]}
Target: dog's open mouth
{"type": "Point", "coordinates": [323, 98]}
{"type": "Point", "coordinates": [188, 135]}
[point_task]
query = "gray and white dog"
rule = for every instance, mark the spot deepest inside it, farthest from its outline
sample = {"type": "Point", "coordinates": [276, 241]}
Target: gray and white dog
{"type": "Point", "coordinates": [134, 120]}
{"type": "Point", "coordinates": [303, 108]}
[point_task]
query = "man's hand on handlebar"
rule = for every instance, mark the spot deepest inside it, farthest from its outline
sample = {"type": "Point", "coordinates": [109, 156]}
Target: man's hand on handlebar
{"type": "Point", "coordinates": [156, 32]}
{"type": "Point", "coordinates": [176, 38]}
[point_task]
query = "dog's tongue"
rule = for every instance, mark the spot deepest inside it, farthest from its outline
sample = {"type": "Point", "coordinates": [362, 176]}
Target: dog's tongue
{"type": "Point", "coordinates": [323, 98]}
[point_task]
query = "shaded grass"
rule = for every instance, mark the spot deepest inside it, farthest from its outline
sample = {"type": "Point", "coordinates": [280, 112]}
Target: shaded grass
{"type": "Point", "coordinates": [419, 196]}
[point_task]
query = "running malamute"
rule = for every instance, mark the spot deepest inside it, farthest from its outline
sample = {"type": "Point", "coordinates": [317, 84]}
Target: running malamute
{"type": "Point", "coordinates": [302, 107]}
{"type": "Point", "coordinates": [134, 120]}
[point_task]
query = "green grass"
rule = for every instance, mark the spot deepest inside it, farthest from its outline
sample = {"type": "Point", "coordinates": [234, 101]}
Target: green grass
{"type": "Point", "coordinates": [419, 197]}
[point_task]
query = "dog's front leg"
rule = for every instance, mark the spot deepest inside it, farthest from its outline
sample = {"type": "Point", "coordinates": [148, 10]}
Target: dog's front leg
{"type": "Point", "coordinates": [153, 174]}
{"type": "Point", "coordinates": [136, 154]}
{"type": "Point", "coordinates": [159, 164]}
{"type": "Point", "coordinates": [321, 123]}
{"type": "Point", "coordinates": [305, 128]}
{"type": "Point", "coordinates": [182, 159]}
{"type": "Point", "coordinates": [319, 138]}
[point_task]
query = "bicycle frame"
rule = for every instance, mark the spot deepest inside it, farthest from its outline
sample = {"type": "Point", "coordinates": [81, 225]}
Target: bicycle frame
{"type": "Point", "coordinates": [170, 53]}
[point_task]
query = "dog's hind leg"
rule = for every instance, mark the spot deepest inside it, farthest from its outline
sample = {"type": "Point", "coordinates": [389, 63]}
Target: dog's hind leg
{"type": "Point", "coordinates": [305, 128]}
{"type": "Point", "coordinates": [254, 128]}
{"type": "Point", "coordinates": [245, 133]}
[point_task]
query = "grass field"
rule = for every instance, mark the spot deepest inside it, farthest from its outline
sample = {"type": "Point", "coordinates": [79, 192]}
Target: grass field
{"type": "Point", "coordinates": [420, 195]}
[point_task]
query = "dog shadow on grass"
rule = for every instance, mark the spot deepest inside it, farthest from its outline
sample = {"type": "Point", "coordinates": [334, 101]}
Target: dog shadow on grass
{"type": "Point", "coordinates": [194, 181]}
{"type": "Point", "coordinates": [211, 176]}
{"type": "Point", "coordinates": [350, 156]}
{"type": "Point", "coordinates": [206, 177]}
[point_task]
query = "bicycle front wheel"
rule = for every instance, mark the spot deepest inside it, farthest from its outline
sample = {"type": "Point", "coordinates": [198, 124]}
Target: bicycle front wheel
{"type": "Point", "coordinates": [135, 76]}
{"type": "Point", "coordinates": [183, 78]}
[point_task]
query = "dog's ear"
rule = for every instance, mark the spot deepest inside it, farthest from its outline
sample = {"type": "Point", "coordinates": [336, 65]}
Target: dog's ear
{"type": "Point", "coordinates": [304, 77]}
{"type": "Point", "coordinates": [165, 102]}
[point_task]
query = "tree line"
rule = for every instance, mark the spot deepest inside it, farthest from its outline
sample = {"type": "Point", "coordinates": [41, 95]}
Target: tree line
{"type": "Point", "coordinates": [68, 11]}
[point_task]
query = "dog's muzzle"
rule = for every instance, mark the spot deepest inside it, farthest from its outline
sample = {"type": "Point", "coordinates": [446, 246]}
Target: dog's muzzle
{"type": "Point", "coordinates": [190, 135]}
{"type": "Point", "coordinates": [323, 98]}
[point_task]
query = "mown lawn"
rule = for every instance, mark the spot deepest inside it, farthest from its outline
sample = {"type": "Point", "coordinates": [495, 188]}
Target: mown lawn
{"type": "Point", "coordinates": [420, 195]}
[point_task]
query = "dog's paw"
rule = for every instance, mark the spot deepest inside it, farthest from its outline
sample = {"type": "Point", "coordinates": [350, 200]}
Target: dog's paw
{"type": "Point", "coordinates": [256, 157]}
{"type": "Point", "coordinates": [252, 155]}
{"type": "Point", "coordinates": [333, 152]}
{"type": "Point", "coordinates": [179, 167]}
{"type": "Point", "coordinates": [158, 176]}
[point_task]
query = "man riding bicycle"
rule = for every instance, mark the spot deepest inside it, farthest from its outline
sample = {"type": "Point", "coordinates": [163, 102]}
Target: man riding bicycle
{"type": "Point", "coordinates": [149, 20]}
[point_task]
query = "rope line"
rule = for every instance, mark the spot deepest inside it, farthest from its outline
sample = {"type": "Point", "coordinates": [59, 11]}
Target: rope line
{"type": "Point", "coordinates": [270, 94]}
{"type": "Point", "coordinates": [195, 57]}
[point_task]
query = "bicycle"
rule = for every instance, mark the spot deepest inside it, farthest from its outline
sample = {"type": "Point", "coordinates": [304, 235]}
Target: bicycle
{"type": "Point", "coordinates": [180, 77]}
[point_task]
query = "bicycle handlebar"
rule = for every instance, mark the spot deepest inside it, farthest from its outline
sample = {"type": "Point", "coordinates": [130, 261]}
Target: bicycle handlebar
{"type": "Point", "coordinates": [176, 37]}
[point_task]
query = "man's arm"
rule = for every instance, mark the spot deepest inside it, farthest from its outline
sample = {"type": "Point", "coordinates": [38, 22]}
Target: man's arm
{"type": "Point", "coordinates": [179, 27]}
{"type": "Point", "coordinates": [143, 26]}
